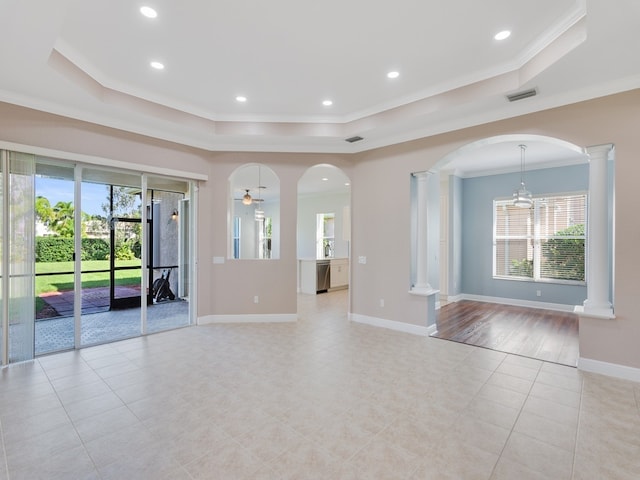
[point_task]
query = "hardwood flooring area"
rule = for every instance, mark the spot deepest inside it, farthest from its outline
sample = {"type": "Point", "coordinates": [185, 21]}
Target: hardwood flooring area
{"type": "Point", "coordinates": [542, 334]}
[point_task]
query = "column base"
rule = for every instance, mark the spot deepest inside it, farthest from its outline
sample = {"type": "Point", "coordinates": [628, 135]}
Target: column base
{"type": "Point", "coordinates": [603, 312]}
{"type": "Point", "coordinates": [424, 291]}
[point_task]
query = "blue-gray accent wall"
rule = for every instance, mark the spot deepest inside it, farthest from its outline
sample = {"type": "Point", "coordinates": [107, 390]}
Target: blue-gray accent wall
{"type": "Point", "coordinates": [478, 194]}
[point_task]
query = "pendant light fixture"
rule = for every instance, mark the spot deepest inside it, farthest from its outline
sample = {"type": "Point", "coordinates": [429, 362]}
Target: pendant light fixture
{"type": "Point", "coordinates": [246, 200]}
{"type": "Point", "coordinates": [522, 197]}
{"type": "Point", "coordinates": [259, 213]}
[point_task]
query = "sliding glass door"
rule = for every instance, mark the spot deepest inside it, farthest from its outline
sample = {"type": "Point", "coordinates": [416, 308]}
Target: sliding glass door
{"type": "Point", "coordinates": [90, 255]}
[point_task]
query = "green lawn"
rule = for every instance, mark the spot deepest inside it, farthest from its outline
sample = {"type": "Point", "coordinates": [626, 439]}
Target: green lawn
{"type": "Point", "coordinates": [54, 283]}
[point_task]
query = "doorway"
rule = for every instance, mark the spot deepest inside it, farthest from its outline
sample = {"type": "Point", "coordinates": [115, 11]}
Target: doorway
{"type": "Point", "coordinates": [87, 271]}
{"type": "Point", "coordinates": [494, 253]}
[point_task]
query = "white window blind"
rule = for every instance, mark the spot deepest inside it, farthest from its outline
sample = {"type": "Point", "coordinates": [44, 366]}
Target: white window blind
{"type": "Point", "coordinates": [542, 243]}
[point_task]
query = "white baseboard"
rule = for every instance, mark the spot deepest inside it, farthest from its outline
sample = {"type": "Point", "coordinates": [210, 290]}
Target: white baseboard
{"type": "Point", "coordinates": [248, 318]}
{"type": "Point", "coordinates": [393, 325]}
{"type": "Point", "coordinates": [560, 307]}
{"type": "Point", "coordinates": [610, 369]}
{"type": "Point", "coordinates": [454, 298]}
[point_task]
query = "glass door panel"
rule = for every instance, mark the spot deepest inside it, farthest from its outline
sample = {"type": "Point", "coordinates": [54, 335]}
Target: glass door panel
{"type": "Point", "coordinates": [168, 222]}
{"type": "Point", "coordinates": [20, 267]}
{"type": "Point", "coordinates": [54, 247]}
{"type": "Point", "coordinates": [111, 265]}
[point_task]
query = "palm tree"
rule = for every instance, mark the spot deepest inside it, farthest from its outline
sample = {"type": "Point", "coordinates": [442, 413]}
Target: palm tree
{"type": "Point", "coordinates": [43, 209]}
{"type": "Point", "coordinates": [62, 222]}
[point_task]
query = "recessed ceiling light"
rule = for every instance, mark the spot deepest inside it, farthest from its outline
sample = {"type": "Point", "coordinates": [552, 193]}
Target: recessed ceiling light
{"type": "Point", "coordinates": [346, 184]}
{"type": "Point", "coordinates": [324, 179]}
{"type": "Point", "coordinates": [502, 35]}
{"type": "Point", "coordinates": [393, 74]}
{"type": "Point", "coordinates": [148, 12]}
{"type": "Point", "coordinates": [157, 65]}
{"type": "Point", "coordinates": [241, 99]}
{"type": "Point", "coordinates": [327, 103]}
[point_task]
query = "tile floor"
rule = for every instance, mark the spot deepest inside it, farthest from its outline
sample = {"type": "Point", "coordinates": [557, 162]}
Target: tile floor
{"type": "Point", "coordinates": [322, 398]}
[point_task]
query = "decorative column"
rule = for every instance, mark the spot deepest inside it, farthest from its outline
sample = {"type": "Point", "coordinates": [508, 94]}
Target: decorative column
{"type": "Point", "coordinates": [597, 303]}
{"type": "Point", "coordinates": [422, 286]}
{"type": "Point", "coordinates": [422, 224]}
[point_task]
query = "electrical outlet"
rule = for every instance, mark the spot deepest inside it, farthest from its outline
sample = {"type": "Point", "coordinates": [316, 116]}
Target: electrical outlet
{"type": "Point", "coordinates": [362, 260]}
{"type": "Point", "coordinates": [382, 302]}
{"type": "Point", "coordinates": [256, 299]}
{"type": "Point", "coordinates": [538, 293]}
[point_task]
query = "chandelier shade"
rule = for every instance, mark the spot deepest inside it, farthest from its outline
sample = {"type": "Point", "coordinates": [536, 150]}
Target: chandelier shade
{"type": "Point", "coordinates": [521, 196]}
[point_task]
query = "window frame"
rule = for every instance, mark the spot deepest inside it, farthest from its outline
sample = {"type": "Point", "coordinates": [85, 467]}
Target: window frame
{"type": "Point", "coordinates": [536, 239]}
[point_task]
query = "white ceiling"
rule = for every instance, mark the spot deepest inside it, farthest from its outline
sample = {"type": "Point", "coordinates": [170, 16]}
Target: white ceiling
{"type": "Point", "coordinates": [89, 59]}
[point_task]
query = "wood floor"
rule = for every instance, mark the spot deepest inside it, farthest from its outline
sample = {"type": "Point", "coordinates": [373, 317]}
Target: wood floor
{"type": "Point", "coordinates": [542, 334]}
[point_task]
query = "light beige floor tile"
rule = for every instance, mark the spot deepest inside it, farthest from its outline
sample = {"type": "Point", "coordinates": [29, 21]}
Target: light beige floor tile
{"type": "Point", "coordinates": [552, 411]}
{"type": "Point", "coordinates": [119, 445]}
{"type": "Point", "coordinates": [492, 412]}
{"type": "Point", "coordinates": [105, 423]}
{"type": "Point", "coordinates": [557, 395]}
{"type": "Point", "coordinates": [503, 396]}
{"type": "Point", "coordinates": [4, 469]}
{"type": "Point", "coordinates": [507, 470]}
{"type": "Point", "coordinates": [548, 431]}
{"type": "Point", "coordinates": [147, 463]}
{"type": "Point", "coordinates": [510, 382]}
{"type": "Point", "coordinates": [271, 440]}
{"type": "Point", "coordinates": [480, 434]}
{"type": "Point", "coordinates": [560, 381]}
{"type": "Point", "coordinates": [63, 465]}
{"type": "Point", "coordinates": [93, 406]}
{"type": "Point", "coordinates": [618, 467]}
{"type": "Point", "coordinates": [244, 418]}
{"type": "Point", "coordinates": [538, 456]}
{"type": "Point", "coordinates": [229, 460]}
{"type": "Point", "coordinates": [77, 368]}
{"type": "Point", "coordinates": [452, 460]}
{"type": "Point", "coordinates": [381, 459]}
{"type": "Point", "coordinates": [25, 405]}
{"type": "Point", "coordinates": [84, 391]}
{"type": "Point", "coordinates": [19, 429]}
{"type": "Point", "coordinates": [82, 378]}
{"type": "Point", "coordinates": [414, 435]}
{"type": "Point", "coordinates": [517, 370]}
{"type": "Point", "coordinates": [107, 360]}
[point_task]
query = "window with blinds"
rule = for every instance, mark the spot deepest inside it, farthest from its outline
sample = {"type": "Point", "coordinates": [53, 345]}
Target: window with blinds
{"type": "Point", "coordinates": [542, 243]}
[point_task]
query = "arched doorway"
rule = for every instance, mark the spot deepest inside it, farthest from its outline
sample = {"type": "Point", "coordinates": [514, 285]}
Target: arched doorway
{"type": "Point", "coordinates": [507, 272]}
{"type": "Point", "coordinates": [323, 230]}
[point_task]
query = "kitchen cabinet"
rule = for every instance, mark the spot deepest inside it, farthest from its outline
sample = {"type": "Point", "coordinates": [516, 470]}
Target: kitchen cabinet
{"type": "Point", "coordinates": [339, 273]}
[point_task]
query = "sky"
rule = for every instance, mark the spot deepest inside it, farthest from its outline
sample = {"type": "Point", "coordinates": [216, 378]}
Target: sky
{"type": "Point", "coordinates": [56, 190]}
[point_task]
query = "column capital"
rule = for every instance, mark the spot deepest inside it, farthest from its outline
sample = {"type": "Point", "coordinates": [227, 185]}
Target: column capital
{"type": "Point", "coordinates": [597, 152]}
{"type": "Point", "coordinates": [422, 175]}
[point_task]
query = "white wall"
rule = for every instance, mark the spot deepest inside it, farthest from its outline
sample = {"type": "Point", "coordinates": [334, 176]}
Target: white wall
{"type": "Point", "coordinates": [308, 207]}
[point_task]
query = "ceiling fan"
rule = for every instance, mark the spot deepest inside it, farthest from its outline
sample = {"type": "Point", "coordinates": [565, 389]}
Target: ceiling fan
{"type": "Point", "coordinates": [247, 199]}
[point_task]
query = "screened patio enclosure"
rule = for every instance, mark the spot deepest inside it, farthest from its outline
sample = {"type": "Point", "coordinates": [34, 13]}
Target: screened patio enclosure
{"type": "Point", "coordinates": [90, 255]}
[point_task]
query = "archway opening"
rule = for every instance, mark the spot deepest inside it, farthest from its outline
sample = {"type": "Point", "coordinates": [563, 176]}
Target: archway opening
{"type": "Point", "coordinates": [496, 284]}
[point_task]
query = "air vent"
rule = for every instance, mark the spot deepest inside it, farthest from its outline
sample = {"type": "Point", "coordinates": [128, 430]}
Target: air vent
{"type": "Point", "coordinates": [514, 97]}
{"type": "Point", "coordinates": [353, 139]}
